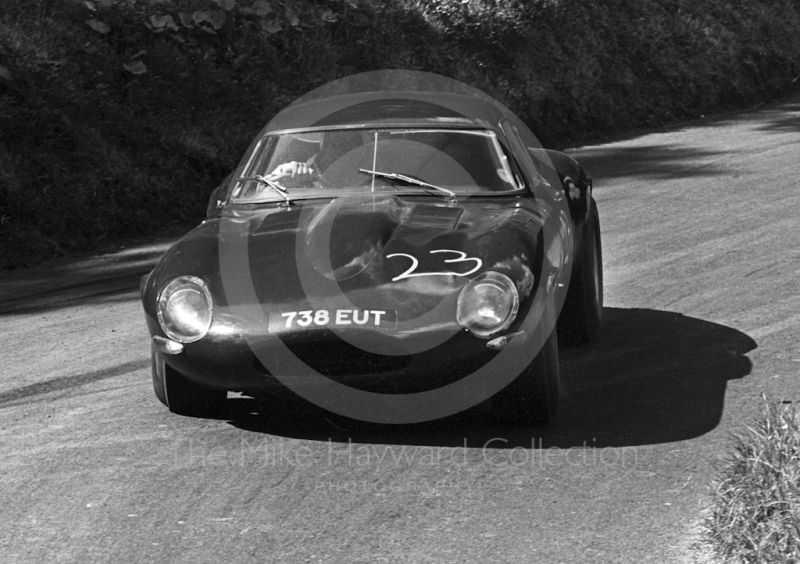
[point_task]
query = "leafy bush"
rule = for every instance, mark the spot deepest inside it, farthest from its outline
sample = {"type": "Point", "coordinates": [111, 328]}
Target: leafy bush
{"type": "Point", "coordinates": [120, 116]}
{"type": "Point", "coordinates": [756, 508]}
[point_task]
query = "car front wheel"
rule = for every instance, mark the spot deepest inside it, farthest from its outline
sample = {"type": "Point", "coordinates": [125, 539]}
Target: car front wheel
{"type": "Point", "coordinates": [182, 396]}
{"type": "Point", "coordinates": [583, 308]}
{"type": "Point", "coordinates": [534, 397]}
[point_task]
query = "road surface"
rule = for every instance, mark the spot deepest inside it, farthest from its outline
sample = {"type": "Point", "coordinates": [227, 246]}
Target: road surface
{"type": "Point", "coordinates": [702, 257]}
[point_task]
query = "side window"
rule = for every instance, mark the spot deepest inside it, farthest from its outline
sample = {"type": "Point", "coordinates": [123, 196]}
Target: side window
{"type": "Point", "coordinates": [529, 169]}
{"type": "Point", "coordinates": [513, 165]}
{"type": "Point", "coordinates": [218, 196]}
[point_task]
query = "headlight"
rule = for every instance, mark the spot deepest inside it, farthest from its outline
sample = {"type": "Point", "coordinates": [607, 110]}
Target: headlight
{"type": "Point", "coordinates": [487, 304]}
{"type": "Point", "coordinates": [184, 309]}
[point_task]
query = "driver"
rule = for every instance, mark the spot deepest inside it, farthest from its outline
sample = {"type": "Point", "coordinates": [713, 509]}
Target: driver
{"type": "Point", "coordinates": [334, 145]}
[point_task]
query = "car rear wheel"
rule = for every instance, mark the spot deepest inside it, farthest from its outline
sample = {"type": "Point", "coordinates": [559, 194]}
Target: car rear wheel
{"type": "Point", "coordinates": [182, 396]}
{"type": "Point", "coordinates": [534, 397]}
{"type": "Point", "coordinates": [583, 309]}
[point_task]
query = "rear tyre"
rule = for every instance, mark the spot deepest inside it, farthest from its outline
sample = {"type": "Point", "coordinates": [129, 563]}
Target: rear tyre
{"type": "Point", "coordinates": [582, 312]}
{"type": "Point", "coordinates": [534, 397]}
{"type": "Point", "coordinates": [182, 396]}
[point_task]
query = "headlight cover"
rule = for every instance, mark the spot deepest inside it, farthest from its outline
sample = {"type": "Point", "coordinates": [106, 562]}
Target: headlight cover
{"type": "Point", "coordinates": [487, 304]}
{"type": "Point", "coordinates": [185, 309]}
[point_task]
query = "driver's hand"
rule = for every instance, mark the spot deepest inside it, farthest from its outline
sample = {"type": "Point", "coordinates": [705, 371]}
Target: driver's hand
{"type": "Point", "coordinates": [294, 170]}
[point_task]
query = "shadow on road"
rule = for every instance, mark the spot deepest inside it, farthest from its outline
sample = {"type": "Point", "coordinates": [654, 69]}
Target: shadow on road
{"type": "Point", "coordinates": [784, 123]}
{"type": "Point", "coordinates": [39, 391]}
{"type": "Point", "coordinates": [104, 279]}
{"type": "Point", "coordinates": [650, 377]}
{"type": "Point", "coordinates": [619, 158]}
{"type": "Point", "coordinates": [650, 162]}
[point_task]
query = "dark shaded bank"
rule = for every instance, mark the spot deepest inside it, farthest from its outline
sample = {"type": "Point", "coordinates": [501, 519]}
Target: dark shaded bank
{"type": "Point", "coordinates": [118, 117]}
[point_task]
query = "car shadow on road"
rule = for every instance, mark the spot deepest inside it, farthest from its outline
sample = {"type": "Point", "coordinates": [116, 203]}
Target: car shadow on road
{"type": "Point", "coordinates": [649, 377]}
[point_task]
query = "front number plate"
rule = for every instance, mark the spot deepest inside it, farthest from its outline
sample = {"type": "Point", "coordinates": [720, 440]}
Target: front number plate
{"type": "Point", "coordinates": [299, 320]}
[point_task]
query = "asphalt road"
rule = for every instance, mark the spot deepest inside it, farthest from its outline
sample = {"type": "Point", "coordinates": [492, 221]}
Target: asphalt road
{"type": "Point", "coordinates": [702, 257]}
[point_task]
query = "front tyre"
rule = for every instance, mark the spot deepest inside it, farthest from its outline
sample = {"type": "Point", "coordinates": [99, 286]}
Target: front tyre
{"type": "Point", "coordinates": [182, 396]}
{"type": "Point", "coordinates": [583, 308]}
{"type": "Point", "coordinates": [534, 397]}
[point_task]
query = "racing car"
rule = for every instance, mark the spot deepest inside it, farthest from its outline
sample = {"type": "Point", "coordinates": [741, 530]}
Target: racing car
{"type": "Point", "coordinates": [390, 256]}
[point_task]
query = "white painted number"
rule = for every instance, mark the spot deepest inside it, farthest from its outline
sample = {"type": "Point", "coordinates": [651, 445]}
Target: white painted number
{"type": "Point", "coordinates": [407, 273]}
{"type": "Point", "coordinates": [415, 263]}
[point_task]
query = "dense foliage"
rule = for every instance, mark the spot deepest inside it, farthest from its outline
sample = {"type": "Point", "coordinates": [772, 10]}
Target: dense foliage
{"type": "Point", "coordinates": [118, 117]}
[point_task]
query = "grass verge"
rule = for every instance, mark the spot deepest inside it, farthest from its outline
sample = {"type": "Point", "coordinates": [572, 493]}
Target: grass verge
{"type": "Point", "coordinates": [755, 514]}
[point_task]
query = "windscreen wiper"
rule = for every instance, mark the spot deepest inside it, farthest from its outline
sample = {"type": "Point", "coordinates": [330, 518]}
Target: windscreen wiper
{"type": "Point", "coordinates": [263, 180]}
{"type": "Point", "coordinates": [409, 180]}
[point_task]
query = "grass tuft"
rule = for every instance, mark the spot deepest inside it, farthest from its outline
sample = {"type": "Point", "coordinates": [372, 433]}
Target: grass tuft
{"type": "Point", "coordinates": [755, 514]}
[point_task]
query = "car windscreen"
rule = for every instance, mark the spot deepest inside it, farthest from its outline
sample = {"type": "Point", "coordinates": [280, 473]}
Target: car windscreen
{"type": "Point", "coordinates": [304, 164]}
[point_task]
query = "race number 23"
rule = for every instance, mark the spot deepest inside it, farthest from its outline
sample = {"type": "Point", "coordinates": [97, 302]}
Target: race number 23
{"type": "Point", "coordinates": [462, 257]}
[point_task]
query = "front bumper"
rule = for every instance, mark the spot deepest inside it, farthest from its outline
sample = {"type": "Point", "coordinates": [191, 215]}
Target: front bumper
{"type": "Point", "coordinates": [229, 361]}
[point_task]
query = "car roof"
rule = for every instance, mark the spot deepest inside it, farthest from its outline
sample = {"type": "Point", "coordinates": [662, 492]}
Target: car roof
{"type": "Point", "coordinates": [390, 108]}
